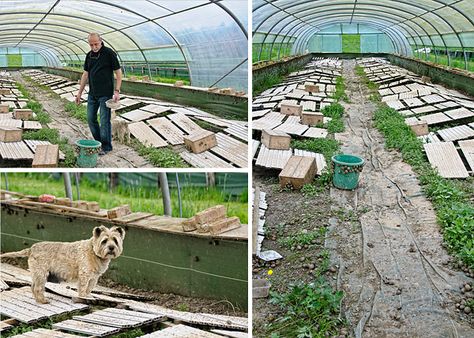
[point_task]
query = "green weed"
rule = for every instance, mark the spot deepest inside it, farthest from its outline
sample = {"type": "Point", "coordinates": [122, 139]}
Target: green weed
{"type": "Point", "coordinates": [308, 310]}
{"type": "Point", "coordinates": [302, 238]}
{"type": "Point", "coordinates": [325, 146]}
{"type": "Point", "coordinates": [77, 111]}
{"type": "Point", "coordinates": [340, 93]}
{"type": "Point", "coordinates": [160, 157]}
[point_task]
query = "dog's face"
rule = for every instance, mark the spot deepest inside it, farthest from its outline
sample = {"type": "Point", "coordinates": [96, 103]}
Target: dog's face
{"type": "Point", "coordinates": [108, 243]}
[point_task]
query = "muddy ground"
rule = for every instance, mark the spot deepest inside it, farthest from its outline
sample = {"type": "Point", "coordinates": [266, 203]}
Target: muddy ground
{"type": "Point", "coordinates": [386, 249]}
{"type": "Point", "coordinates": [167, 300]}
{"type": "Point", "coordinates": [121, 156]}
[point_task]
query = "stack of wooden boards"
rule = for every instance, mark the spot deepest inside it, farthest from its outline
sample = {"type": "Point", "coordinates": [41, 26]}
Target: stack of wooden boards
{"type": "Point", "coordinates": [213, 220]}
{"type": "Point", "coordinates": [442, 118]}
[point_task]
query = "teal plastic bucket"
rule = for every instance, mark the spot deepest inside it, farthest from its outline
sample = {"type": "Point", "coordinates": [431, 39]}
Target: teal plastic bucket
{"type": "Point", "coordinates": [346, 171]}
{"type": "Point", "coordinates": [88, 150]}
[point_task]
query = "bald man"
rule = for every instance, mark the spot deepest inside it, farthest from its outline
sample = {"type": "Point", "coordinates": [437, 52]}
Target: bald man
{"type": "Point", "coordinates": [99, 67]}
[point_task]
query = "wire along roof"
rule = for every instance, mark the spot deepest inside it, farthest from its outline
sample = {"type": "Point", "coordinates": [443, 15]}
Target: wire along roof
{"type": "Point", "coordinates": [446, 24]}
{"type": "Point", "coordinates": [210, 36]}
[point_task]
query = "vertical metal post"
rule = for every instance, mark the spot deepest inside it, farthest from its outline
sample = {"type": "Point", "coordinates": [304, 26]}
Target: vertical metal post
{"type": "Point", "coordinates": [165, 192]}
{"type": "Point", "coordinates": [78, 189]}
{"type": "Point", "coordinates": [67, 185]}
{"type": "Point", "coordinates": [180, 202]}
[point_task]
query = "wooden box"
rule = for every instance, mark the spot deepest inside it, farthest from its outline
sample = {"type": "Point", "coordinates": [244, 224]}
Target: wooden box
{"type": "Point", "coordinates": [46, 156]}
{"type": "Point", "coordinates": [63, 201]}
{"type": "Point", "coordinates": [311, 119]}
{"type": "Point", "coordinates": [93, 206]}
{"type": "Point", "coordinates": [420, 128]}
{"type": "Point", "coordinates": [211, 214]}
{"type": "Point", "coordinates": [311, 88]}
{"type": "Point", "coordinates": [200, 141]}
{"type": "Point", "coordinates": [290, 109]}
{"type": "Point", "coordinates": [298, 171]}
{"type": "Point", "coordinates": [274, 139]}
{"type": "Point", "coordinates": [5, 91]}
{"type": "Point", "coordinates": [10, 134]}
{"type": "Point", "coordinates": [4, 108]}
{"type": "Point", "coordinates": [118, 212]}
{"type": "Point", "coordinates": [22, 114]}
{"type": "Point", "coordinates": [79, 204]}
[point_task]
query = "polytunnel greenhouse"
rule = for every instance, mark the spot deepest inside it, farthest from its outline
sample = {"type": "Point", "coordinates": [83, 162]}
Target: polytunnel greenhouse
{"type": "Point", "coordinates": [363, 168]}
{"type": "Point", "coordinates": [176, 71]}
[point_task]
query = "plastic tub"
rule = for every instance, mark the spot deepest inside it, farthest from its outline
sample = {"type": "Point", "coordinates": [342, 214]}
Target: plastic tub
{"type": "Point", "coordinates": [112, 104]}
{"type": "Point", "coordinates": [346, 171]}
{"type": "Point", "coordinates": [88, 150]}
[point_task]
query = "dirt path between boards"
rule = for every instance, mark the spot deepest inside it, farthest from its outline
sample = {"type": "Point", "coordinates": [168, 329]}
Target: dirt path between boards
{"type": "Point", "coordinates": [121, 156]}
{"type": "Point", "coordinates": [394, 272]}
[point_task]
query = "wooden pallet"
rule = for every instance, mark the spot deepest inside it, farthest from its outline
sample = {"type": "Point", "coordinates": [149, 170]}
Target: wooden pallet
{"type": "Point", "coordinates": [229, 148]}
{"type": "Point", "coordinates": [167, 130]}
{"type": "Point", "coordinates": [456, 133]}
{"type": "Point", "coordinates": [44, 333]}
{"type": "Point", "coordinates": [119, 318]}
{"type": "Point", "coordinates": [20, 305]}
{"type": "Point", "coordinates": [137, 115]}
{"type": "Point", "coordinates": [444, 157]}
{"type": "Point", "coordinates": [239, 131]}
{"type": "Point", "coordinates": [185, 123]}
{"type": "Point", "coordinates": [269, 121]}
{"type": "Point", "coordinates": [146, 135]}
{"type": "Point", "coordinates": [435, 118]}
{"type": "Point", "coordinates": [15, 151]}
{"type": "Point", "coordinates": [205, 160]}
{"type": "Point", "coordinates": [270, 158]}
{"type": "Point", "coordinates": [181, 330]}
{"type": "Point", "coordinates": [467, 148]}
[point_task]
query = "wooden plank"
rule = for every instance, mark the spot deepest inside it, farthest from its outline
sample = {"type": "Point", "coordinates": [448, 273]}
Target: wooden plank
{"type": "Point", "coordinates": [85, 328]}
{"type": "Point", "coordinates": [133, 217]}
{"type": "Point", "coordinates": [239, 131]}
{"type": "Point", "coordinates": [4, 326]}
{"type": "Point", "coordinates": [32, 125]}
{"type": "Point", "coordinates": [444, 157]}
{"type": "Point", "coordinates": [205, 160]}
{"type": "Point", "coordinates": [167, 130]}
{"type": "Point", "coordinates": [460, 113]}
{"type": "Point", "coordinates": [15, 151]}
{"type": "Point", "coordinates": [185, 123]}
{"type": "Point", "coordinates": [12, 123]}
{"type": "Point", "coordinates": [146, 135]}
{"type": "Point", "coordinates": [215, 121]}
{"type": "Point", "coordinates": [154, 108]}
{"type": "Point", "coordinates": [181, 330]}
{"type": "Point", "coordinates": [45, 333]}
{"type": "Point", "coordinates": [467, 148]}
{"type": "Point", "coordinates": [269, 158]}
{"type": "Point", "coordinates": [232, 150]}
{"type": "Point", "coordinates": [46, 156]}
{"type": "Point", "coordinates": [456, 133]}
{"type": "Point", "coordinates": [434, 98]}
{"type": "Point", "coordinates": [316, 132]}
{"type": "Point", "coordinates": [435, 118]}
{"type": "Point", "coordinates": [290, 127]}
{"type": "Point", "coordinates": [255, 145]}
{"type": "Point", "coordinates": [137, 115]}
{"type": "Point", "coordinates": [269, 121]}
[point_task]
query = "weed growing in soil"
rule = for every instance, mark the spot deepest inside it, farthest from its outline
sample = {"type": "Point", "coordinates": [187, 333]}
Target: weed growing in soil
{"type": "Point", "coordinates": [309, 310]}
{"type": "Point", "coordinates": [325, 146]}
{"type": "Point", "coordinates": [335, 111]}
{"type": "Point", "coordinates": [303, 238]}
{"type": "Point", "coordinates": [41, 116]}
{"type": "Point", "coordinates": [160, 157]}
{"type": "Point", "coordinates": [77, 111]}
{"type": "Point", "coordinates": [340, 93]}
{"type": "Point", "coordinates": [52, 135]}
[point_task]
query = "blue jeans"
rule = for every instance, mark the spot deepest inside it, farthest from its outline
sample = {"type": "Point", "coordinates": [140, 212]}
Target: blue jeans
{"type": "Point", "coordinates": [102, 133]}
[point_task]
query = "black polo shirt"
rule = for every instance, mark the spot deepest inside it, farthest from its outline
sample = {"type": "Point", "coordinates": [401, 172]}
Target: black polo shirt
{"type": "Point", "coordinates": [101, 66]}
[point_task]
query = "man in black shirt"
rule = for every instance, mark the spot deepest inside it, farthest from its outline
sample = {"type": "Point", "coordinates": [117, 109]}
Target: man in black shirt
{"type": "Point", "coordinates": [99, 67]}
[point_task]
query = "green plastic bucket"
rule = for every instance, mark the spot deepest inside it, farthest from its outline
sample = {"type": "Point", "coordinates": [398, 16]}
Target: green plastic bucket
{"type": "Point", "coordinates": [88, 150]}
{"type": "Point", "coordinates": [346, 171]}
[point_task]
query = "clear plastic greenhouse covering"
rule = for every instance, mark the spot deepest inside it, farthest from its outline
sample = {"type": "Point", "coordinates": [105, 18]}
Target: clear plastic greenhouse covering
{"type": "Point", "coordinates": [208, 36]}
{"type": "Point", "coordinates": [289, 26]}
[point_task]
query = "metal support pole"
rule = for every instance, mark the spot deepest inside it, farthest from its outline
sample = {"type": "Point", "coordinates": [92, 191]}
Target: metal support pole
{"type": "Point", "coordinates": [67, 185]}
{"type": "Point", "coordinates": [180, 202]}
{"type": "Point", "coordinates": [78, 189]}
{"type": "Point", "coordinates": [165, 192]}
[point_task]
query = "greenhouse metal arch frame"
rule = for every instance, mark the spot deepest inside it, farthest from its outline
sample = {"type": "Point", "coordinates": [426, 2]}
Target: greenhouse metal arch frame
{"type": "Point", "coordinates": [309, 24]}
{"type": "Point", "coordinates": [32, 20]}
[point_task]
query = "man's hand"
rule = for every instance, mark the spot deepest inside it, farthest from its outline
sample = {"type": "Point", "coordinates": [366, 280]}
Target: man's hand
{"type": "Point", "coordinates": [78, 98]}
{"type": "Point", "coordinates": [116, 96]}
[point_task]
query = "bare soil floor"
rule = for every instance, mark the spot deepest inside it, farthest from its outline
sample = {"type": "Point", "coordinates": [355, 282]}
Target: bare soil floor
{"type": "Point", "coordinates": [386, 248]}
{"type": "Point", "coordinates": [121, 156]}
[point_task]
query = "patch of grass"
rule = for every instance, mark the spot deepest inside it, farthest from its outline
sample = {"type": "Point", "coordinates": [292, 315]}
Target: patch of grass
{"type": "Point", "coordinates": [52, 135]}
{"type": "Point", "coordinates": [271, 80]}
{"type": "Point", "coordinates": [41, 116]}
{"type": "Point", "coordinates": [194, 199]}
{"type": "Point", "coordinates": [325, 146]}
{"type": "Point", "coordinates": [335, 111]}
{"type": "Point", "coordinates": [208, 126]}
{"type": "Point", "coordinates": [77, 111]}
{"type": "Point", "coordinates": [129, 334]}
{"type": "Point", "coordinates": [160, 157]}
{"type": "Point", "coordinates": [340, 93]}
{"type": "Point", "coordinates": [453, 205]}
{"type": "Point", "coordinates": [308, 310]}
{"type": "Point", "coordinates": [303, 238]}
{"type": "Point", "coordinates": [311, 190]}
